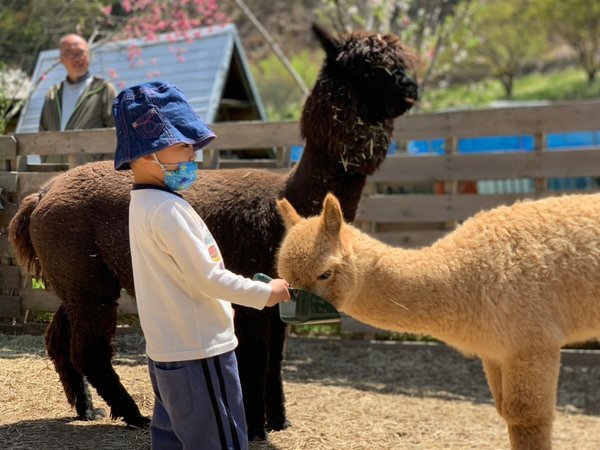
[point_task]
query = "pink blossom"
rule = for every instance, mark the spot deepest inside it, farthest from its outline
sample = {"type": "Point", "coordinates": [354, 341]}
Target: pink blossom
{"type": "Point", "coordinates": [126, 6]}
{"type": "Point", "coordinates": [107, 10]}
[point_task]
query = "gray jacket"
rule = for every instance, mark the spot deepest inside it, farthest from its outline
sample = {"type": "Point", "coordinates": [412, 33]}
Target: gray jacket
{"type": "Point", "coordinates": [93, 109]}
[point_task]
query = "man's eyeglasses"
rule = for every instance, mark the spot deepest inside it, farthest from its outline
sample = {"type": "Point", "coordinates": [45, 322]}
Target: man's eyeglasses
{"type": "Point", "coordinates": [73, 54]}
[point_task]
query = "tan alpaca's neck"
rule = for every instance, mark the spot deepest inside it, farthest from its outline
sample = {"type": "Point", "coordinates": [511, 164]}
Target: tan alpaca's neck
{"type": "Point", "coordinates": [402, 290]}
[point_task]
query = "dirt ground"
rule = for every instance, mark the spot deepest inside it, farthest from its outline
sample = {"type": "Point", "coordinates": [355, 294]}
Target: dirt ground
{"type": "Point", "coordinates": [340, 395]}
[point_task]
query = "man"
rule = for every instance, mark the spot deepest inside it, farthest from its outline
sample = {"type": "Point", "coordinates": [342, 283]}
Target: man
{"type": "Point", "coordinates": [81, 101]}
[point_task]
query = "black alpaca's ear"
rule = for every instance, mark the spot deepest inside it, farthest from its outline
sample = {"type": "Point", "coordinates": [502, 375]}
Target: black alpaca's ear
{"type": "Point", "coordinates": [331, 217]}
{"type": "Point", "coordinates": [288, 213]}
{"type": "Point", "coordinates": [328, 42]}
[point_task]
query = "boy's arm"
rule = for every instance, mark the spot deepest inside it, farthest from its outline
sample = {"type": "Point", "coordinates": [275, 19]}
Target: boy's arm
{"type": "Point", "coordinates": [201, 267]}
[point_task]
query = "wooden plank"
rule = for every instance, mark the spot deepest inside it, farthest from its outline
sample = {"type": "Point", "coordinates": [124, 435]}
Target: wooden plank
{"type": "Point", "coordinates": [430, 208]}
{"type": "Point", "coordinates": [232, 135]}
{"type": "Point", "coordinates": [10, 306]}
{"type": "Point", "coordinates": [540, 141]}
{"type": "Point", "coordinates": [10, 209]}
{"type": "Point", "coordinates": [30, 182]}
{"type": "Point", "coordinates": [67, 142]}
{"type": "Point", "coordinates": [47, 301]}
{"type": "Point", "coordinates": [6, 249]}
{"type": "Point", "coordinates": [8, 147]}
{"type": "Point", "coordinates": [489, 166]}
{"type": "Point", "coordinates": [46, 167]}
{"type": "Point", "coordinates": [10, 277]}
{"type": "Point", "coordinates": [552, 118]}
{"type": "Point", "coordinates": [8, 181]}
{"type": "Point", "coordinates": [558, 117]}
{"type": "Point", "coordinates": [240, 135]}
{"type": "Point", "coordinates": [247, 163]}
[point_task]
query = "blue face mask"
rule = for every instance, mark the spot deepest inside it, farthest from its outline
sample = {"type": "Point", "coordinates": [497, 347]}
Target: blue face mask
{"type": "Point", "coordinates": [181, 178]}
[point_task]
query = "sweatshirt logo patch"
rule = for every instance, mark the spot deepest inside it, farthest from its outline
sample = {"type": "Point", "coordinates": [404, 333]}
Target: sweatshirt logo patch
{"type": "Point", "coordinates": [215, 255]}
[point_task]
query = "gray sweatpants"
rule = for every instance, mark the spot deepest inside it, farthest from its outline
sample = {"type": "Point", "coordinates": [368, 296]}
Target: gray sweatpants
{"type": "Point", "coordinates": [198, 405]}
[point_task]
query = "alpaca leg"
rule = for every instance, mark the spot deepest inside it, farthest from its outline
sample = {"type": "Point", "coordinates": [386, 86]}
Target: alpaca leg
{"type": "Point", "coordinates": [252, 330]}
{"type": "Point", "coordinates": [58, 335]}
{"type": "Point", "coordinates": [494, 379]}
{"type": "Point", "coordinates": [91, 352]}
{"type": "Point", "coordinates": [276, 416]}
{"type": "Point", "coordinates": [529, 383]}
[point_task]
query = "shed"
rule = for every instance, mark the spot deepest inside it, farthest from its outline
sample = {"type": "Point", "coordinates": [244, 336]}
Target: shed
{"type": "Point", "coordinates": [208, 65]}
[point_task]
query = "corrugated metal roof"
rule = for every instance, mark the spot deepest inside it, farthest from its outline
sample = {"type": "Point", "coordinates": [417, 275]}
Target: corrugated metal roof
{"type": "Point", "coordinates": [197, 66]}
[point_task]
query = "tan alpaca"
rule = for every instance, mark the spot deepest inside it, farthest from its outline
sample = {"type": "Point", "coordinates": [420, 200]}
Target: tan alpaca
{"type": "Point", "coordinates": [511, 285]}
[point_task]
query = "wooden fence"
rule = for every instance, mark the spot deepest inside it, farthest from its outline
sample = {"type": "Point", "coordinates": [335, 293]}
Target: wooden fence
{"type": "Point", "coordinates": [415, 217]}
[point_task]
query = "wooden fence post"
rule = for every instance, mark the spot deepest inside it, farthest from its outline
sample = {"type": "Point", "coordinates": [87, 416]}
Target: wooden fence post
{"type": "Point", "coordinates": [540, 146]}
{"type": "Point", "coordinates": [450, 186]}
{"type": "Point", "coordinates": [10, 279]}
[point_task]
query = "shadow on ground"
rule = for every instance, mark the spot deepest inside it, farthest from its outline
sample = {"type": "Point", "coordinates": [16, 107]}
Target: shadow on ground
{"type": "Point", "coordinates": [421, 370]}
{"type": "Point", "coordinates": [71, 434]}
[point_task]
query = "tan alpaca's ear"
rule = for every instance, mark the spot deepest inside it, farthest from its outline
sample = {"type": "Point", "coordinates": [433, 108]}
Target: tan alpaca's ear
{"type": "Point", "coordinates": [288, 213]}
{"type": "Point", "coordinates": [331, 217]}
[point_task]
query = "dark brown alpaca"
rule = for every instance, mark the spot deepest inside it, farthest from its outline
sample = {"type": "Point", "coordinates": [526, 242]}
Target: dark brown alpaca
{"type": "Point", "coordinates": [73, 233]}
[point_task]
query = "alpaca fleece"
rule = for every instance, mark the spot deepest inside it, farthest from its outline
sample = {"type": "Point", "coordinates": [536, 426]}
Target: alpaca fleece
{"type": "Point", "coordinates": [73, 233]}
{"type": "Point", "coordinates": [511, 285]}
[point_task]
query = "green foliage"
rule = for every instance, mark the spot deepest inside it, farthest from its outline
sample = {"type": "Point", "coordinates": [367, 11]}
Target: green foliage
{"type": "Point", "coordinates": [4, 106]}
{"type": "Point", "coordinates": [37, 284]}
{"type": "Point", "coordinates": [500, 39]}
{"type": "Point", "coordinates": [347, 15]}
{"type": "Point", "coordinates": [28, 26]}
{"type": "Point", "coordinates": [404, 337]}
{"type": "Point", "coordinates": [326, 329]}
{"type": "Point", "coordinates": [279, 92]}
{"type": "Point", "coordinates": [576, 22]}
{"type": "Point", "coordinates": [569, 84]}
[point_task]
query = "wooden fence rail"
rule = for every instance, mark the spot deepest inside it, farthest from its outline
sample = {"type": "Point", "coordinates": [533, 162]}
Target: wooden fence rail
{"type": "Point", "coordinates": [407, 219]}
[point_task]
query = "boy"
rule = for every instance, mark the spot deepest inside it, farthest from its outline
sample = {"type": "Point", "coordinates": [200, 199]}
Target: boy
{"type": "Point", "coordinates": [179, 276]}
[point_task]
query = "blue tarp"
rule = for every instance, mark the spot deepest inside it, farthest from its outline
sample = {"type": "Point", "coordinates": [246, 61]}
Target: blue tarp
{"type": "Point", "coordinates": [523, 143]}
{"type": "Point", "coordinates": [507, 143]}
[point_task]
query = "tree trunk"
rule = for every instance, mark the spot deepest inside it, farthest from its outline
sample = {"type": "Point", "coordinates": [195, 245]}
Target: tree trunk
{"type": "Point", "coordinates": [591, 75]}
{"type": "Point", "coordinates": [507, 84]}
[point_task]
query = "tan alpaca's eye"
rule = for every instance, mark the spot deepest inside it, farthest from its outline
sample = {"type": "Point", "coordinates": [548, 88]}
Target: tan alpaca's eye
{"type": "Point", "coordinates": [325, 275]}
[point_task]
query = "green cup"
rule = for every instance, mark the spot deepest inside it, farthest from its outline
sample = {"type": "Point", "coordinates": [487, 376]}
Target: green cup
{"type": "Point", "coordinates": [304, 307]}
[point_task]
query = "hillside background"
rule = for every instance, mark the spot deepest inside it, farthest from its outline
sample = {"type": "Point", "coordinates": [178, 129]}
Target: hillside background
{"type": "Point", "coordinates": [468, 53]}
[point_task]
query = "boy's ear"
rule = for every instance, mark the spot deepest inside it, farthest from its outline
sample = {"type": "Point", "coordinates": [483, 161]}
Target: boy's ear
{"type": "Point", "coordinates": [331, 217]}
{"type": "Point", "coordinates": [288, 213]}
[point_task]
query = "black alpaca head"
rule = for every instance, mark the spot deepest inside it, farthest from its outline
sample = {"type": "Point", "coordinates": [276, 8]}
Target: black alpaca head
{"type": "Point", "coordinates": [363, 85]}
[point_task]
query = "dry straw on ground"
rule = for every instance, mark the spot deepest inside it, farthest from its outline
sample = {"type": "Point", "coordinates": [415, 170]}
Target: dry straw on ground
{"type": "Point", "coordinates": [340, 395]}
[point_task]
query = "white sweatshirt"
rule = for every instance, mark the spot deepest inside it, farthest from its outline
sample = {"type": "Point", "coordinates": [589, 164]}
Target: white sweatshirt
{"type": "Point", "coordinates": [183, 290]}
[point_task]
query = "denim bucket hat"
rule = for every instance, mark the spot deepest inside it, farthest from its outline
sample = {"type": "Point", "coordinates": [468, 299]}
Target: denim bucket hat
{"type": "Point", "coordinates": [152, 116]}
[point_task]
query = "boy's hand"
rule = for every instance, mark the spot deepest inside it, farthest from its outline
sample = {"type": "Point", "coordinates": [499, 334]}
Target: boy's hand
{"type": "Point", "coordinates": [279, 292]}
